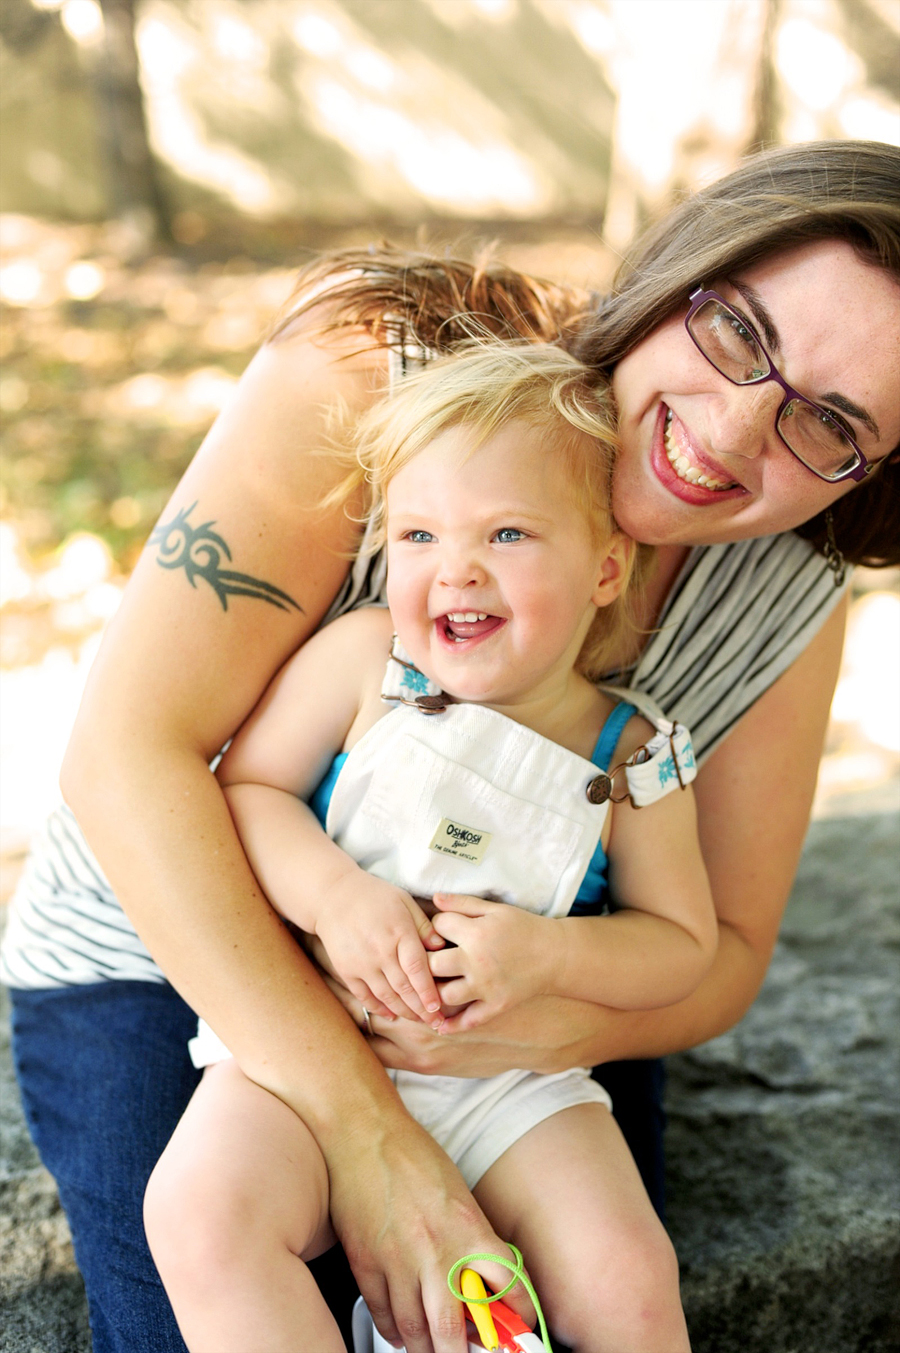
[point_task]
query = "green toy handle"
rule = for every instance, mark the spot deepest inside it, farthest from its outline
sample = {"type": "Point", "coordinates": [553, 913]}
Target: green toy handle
{"type": "Point", "coordinates": [519, 1275]}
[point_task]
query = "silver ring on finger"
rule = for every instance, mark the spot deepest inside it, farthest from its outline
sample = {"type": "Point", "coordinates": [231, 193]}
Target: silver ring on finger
{"type": "Point", "coordinates": [369, 1031]}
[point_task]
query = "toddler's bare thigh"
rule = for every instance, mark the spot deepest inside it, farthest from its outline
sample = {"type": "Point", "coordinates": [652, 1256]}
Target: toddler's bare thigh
{"type": "Point", "coordinates": [569, 1194]}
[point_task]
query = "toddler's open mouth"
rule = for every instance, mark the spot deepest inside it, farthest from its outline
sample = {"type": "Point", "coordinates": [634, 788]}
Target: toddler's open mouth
{"type": "Point", "coordinates": [457, 626]}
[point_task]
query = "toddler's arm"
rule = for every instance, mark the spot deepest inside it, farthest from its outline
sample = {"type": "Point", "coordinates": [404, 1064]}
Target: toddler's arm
{"type": "Point", "coordinates": [651, 953]}
{"type": "Point", "coordinates": [373, 932]}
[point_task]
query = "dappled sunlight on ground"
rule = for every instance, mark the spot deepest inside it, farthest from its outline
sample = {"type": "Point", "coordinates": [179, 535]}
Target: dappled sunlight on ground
{"type": "Point", "coordinates": [111, 374]}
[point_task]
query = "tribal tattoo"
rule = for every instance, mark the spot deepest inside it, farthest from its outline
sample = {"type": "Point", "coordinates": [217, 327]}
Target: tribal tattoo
{"type": "Point", "coordinates": [200, 551]}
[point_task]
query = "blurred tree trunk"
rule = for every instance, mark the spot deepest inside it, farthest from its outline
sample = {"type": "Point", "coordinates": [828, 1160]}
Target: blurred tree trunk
{"type": "Point", "coordinates": [135, 196]}
{"type": "Point", "coordinates": [766, 109]}
{"type": "Point", "coordinates": [21, 25]}
{"type": "Point", "coordinates": [873, 32]}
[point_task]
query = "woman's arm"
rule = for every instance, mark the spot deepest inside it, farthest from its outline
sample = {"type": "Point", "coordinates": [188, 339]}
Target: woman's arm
{"type": "Point", "coordinates": [753, 797]}
{"type": "Point", "coordinates": [242, 571]}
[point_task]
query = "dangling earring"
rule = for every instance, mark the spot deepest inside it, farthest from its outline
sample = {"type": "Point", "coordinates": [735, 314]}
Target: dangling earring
{"type": "Point", "coordinates": [833, 556]}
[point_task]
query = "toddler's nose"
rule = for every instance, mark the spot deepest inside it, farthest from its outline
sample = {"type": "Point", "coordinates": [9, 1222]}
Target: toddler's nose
{"type": "Point", "coordinates": [461, 569]}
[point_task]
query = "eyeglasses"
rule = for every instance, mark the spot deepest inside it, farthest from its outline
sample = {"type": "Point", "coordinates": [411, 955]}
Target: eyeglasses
{"type": "Point", "coordinates": [808, 431]}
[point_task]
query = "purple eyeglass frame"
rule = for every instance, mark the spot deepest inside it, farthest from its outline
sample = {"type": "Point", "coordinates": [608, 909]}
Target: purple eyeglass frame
{"type": "Point", "coordinates": [700, 297]}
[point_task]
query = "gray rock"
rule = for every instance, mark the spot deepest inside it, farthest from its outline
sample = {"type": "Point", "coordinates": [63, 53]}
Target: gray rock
{"type": "Point", "coordinates": [783, 1146]}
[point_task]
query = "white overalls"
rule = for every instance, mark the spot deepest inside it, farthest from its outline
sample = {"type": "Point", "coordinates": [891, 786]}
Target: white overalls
{"type": "Point", "coordinates": [468, 801]}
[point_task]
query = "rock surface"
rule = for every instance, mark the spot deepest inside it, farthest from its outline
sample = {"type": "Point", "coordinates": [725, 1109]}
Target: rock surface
{"type": "Point", "coordinates": [783, 1141]}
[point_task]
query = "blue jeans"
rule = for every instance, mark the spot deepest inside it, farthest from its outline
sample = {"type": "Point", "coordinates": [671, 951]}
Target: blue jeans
{"type": "Point", "coordinates": [105, 1076]}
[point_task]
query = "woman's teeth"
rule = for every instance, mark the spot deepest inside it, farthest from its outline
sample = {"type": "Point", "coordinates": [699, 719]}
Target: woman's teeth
{"type": "Point", "coordinates": [690, 473]}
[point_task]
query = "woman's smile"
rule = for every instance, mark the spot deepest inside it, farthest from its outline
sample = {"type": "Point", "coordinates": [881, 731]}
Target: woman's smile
{"type": "Point", "coordinates": [690, 464]}
{"type": "Point", "coordinates": [686, 470]}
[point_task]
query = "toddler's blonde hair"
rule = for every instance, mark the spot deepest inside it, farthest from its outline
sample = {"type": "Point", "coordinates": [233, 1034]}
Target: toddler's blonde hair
{"type": "Point", "coordinates": [483, 386]}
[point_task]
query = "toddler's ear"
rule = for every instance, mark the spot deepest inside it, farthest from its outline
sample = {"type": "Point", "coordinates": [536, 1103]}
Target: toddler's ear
{"type": "Point", "coordinates": [615, 565]}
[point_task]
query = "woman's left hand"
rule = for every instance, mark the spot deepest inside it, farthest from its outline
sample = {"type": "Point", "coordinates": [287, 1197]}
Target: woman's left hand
{"type": "Point", "coordinates": [544, 1034]}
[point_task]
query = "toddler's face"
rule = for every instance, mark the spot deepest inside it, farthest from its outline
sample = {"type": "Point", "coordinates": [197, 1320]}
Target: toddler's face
{"type": "Point", "coordinates": [494, 575]}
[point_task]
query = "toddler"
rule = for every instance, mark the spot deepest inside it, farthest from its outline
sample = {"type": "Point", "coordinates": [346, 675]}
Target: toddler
{"type": "Point", "coordinates": [476, 787]}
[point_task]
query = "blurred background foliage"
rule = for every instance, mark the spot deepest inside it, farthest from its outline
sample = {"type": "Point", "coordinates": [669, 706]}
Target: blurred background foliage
{"type": "Point", "coordinates": [167, 162]}
{"type": "Point", "coordinates": [166, 165]}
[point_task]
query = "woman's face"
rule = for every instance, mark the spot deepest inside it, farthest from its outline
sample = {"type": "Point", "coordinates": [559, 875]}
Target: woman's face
{"type": "Point", "coordinates": [832, 325]}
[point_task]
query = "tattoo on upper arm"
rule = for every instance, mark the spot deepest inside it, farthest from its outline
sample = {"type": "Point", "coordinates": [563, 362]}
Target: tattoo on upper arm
{"type": "Point", "coordinates": [200, 552]}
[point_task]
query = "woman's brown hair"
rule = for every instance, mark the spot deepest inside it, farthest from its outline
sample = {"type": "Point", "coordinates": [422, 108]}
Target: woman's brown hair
{"type": "Point", "coordinates": [795, 195]}
{"type": "Point", "coordinates": [407, 297]}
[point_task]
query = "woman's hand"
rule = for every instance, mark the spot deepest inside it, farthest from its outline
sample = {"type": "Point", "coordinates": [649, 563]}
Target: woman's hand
{"type": "Point", "coordinates": [404, 1217]}
{"type": "Point", "coordinates": [544, 1034]}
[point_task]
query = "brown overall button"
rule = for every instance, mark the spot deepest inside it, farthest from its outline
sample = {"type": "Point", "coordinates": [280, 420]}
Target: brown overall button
{"type": "Point", "coordinates": [431, 704]}
{"type": "Point", "coordinates": [599, 789]}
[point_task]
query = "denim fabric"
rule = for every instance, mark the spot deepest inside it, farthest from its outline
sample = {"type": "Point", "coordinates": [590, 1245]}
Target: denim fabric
{"type": "Point", "coordinates": [105, 1076]}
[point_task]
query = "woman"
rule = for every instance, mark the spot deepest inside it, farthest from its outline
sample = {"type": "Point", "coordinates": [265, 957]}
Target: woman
{"type": "Point", "coordinates": [801, 249]}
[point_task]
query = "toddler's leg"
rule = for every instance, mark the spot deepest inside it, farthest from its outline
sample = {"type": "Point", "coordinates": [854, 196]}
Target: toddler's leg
{"type": "Point", "coordinates": [569, 1195]}
{"type": "Point", "coordinates": [238, 1200]}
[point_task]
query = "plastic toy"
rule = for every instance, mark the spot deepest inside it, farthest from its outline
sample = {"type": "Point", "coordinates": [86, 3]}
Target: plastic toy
{"type": "Point", "coordinates": [490, 1325]}
{"type": "Point", "coordinates": [512, 1334]}
{"type": "Point", "coordinates": [471, 1285]}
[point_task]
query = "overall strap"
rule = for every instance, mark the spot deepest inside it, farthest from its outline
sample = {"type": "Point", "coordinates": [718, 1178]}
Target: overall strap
{"type": "Point", "coordinates": [664, 763]}
{"type": "Point", "coordinates": [644, 704]}
{"type": "Point", "coordinates": [610, 733]}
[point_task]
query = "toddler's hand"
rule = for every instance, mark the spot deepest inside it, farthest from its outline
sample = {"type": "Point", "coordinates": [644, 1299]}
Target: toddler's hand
{"type": "Point", "coordinates": [501, 956]}
{"type": "Point", "coordinates": [376, 937]}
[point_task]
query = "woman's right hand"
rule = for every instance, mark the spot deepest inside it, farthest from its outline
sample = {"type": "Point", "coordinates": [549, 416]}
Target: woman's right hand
{"type": "Point", "coordinates": [405, 1216]}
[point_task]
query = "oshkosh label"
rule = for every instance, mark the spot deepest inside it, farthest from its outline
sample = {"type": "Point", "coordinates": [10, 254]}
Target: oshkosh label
{"type": "Point", "coordinates": [464, 843]}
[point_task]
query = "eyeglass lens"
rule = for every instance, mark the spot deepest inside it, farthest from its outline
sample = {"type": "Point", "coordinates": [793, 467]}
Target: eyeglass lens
{"type": "Point", "coordinates": [813, 436]}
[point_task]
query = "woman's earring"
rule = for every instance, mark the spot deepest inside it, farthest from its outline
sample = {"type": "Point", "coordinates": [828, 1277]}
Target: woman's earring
{"type": "Point", "coordinates": [833, 556]}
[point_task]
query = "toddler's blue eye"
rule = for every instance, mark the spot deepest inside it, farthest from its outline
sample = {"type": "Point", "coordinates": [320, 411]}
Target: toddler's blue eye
{"type": "Point", "coordinates": [420, 537]}
{"type": "Point", "coordinates": [508, 535]}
